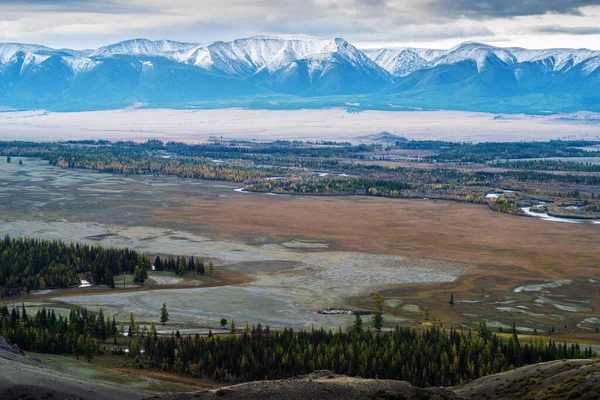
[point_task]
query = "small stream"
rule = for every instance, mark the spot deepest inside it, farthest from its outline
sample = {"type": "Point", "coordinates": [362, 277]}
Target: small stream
{"type": "Point", "coordinates": [547, 217]}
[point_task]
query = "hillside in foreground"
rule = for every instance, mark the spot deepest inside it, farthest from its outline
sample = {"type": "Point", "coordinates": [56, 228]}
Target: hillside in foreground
{"type": "Point", "coordinates": [27, 377]}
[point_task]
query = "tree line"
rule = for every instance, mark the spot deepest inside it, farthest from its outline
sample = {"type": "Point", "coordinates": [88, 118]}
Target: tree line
{"type": "Point", "coordinates": [253, 162]}
{"type": "Point", "coordinates": [433, 357]}
{"type": "Point", "coordinates": [489, 151]}
{"type": "Point", "coordinates": [78, 334]}
{"type": "Point", "coordinates": [32, 264]}
{"type": "Point", "coordinates": [181, 265]}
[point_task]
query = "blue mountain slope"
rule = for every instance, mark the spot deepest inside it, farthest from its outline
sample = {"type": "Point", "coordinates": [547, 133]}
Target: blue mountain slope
{"type": "Point", "coordinates": [333, 76]}
{"type": "Point", "coordinates": [298, 71]}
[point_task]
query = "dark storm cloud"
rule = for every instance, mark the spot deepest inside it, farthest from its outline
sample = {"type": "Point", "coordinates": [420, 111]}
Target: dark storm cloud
{"type": "Point", "coordinates": [568, 30]}
{"type": "Point", "coordinates": [509, 8]}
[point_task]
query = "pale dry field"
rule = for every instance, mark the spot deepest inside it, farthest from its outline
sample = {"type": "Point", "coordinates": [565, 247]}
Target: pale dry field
{"type": "Point", "coordinates": [318, 124]}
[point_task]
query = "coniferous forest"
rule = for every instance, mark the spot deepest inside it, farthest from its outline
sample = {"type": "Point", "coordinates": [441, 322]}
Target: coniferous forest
{"type": "Point", "coordinates": [454, 171]}
{"type": "Point", "coordinates": [432, 357]}
{"type": "Point", "coordinates": [31, 264]}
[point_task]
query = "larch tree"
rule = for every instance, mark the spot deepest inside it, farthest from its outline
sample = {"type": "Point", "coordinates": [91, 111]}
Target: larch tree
{"type": "Point", "coordinates": [131, 324]}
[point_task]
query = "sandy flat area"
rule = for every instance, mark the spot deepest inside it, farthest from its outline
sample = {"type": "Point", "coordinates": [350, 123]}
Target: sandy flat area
{"type": "Point", "coordinates": [328, 124]}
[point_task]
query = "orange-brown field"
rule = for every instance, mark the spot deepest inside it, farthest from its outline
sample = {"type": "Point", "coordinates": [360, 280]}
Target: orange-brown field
{"type": "Point", "coordinates": [300, 253]}
{"type": "Point", "coordinates": [509, 251]}
{"type": "Point", "coordinates": [419, 228]}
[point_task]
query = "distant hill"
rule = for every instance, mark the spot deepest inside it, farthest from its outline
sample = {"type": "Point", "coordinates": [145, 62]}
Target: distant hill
{"type": "Point", "coordinates": [384, 137]}
{"type": "Point", "coordinates": [298, 71]}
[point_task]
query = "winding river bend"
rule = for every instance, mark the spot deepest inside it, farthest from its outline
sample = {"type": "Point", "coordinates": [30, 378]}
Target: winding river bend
{"type": "Point", "coordinates": [547, 217]}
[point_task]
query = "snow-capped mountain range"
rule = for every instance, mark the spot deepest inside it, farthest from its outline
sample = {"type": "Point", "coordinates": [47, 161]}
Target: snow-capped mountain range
{"type": "Point", "coordinates": [271, 68]}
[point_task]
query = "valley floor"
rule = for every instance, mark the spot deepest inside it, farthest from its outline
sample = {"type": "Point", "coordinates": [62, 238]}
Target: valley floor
{"type": "Point", "coordinates": [306, 124]}
{"type": "Point", "coordinates": [282, 258]}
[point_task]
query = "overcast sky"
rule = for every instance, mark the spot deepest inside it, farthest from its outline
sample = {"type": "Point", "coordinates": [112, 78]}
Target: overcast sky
{"type": "Point", "coordinates": [365, 23]}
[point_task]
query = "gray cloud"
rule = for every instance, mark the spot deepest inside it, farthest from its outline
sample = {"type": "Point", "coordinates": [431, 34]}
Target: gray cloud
{"type": "Point", "coordinates": [79, 6]}
{"type": "Point", "coordinates": [567, 30]}
{"type": "Point", "coordinates": [89, 23]}
{"type": "Point", "coordinates": [510, 8]}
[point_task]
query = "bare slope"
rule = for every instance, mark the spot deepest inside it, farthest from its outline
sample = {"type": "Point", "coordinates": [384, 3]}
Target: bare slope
{"type": "Point", "coordinates": [574, 379]}
{"type": "Point", "coordinates": [317, 386]}
{"type": "Point", "coordinates": [22, 377]}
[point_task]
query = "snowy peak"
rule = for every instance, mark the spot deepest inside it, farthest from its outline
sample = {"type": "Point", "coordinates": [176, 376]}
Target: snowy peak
{"type": "Point", "coordinates": [245, 57]}
{"type": "Point", "coordinates": [8, 51]}
{"type": "Point", "coordinates": [400, 62]}
{"type": "Point", "coordinates": [480, 54]}
{"type": "Point", "coordinates": [169, 72]}
{"type": "Point", "coordinates": [559, 60]}
{"type": "Point", "coordinates": [268, 54]}
{"type": "Point", "coordinates": [404, 61]}
{"type": "Point", "coordinates": [141, 47]}
{"type": "Point", "coordinates": [591, 64]}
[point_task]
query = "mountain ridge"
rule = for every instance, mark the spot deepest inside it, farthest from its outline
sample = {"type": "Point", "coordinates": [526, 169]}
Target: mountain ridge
{"type": "Point", "coordinates": [315, 71]}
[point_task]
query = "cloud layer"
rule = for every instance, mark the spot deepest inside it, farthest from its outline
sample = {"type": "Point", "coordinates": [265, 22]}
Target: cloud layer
{"type": "Point", "coordinates": [90, 23]}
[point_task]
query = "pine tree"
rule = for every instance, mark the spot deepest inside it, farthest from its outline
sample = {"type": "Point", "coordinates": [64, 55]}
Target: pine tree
{"type": "Point", "coordinates": [24, 317]}
{"type": "Point", "coordinates": [109, 327]}
{"type": "Point", "coordinates": [101, 328]}
{"type": "Point", "coordinates": [377, 319]}
{"type": "Point", "coordinates": [164, 314]}
{"type": "Point", "coordinates": [137, 276]}
{"type": "Point", "coordinates": [108, 278]}
{"type": "Point", "coordinates": [199, 267]}
{"type": "Point", "coordinates": [80, 346]}
{"type": "Point", "coordinates": [114, 326]}
{"type": "Point", "coordinates": [180, 268]}
{"type": "Point", "coordinates": [90, 348]}
{"type": "Point", "coordinates": [232, 326]}
{"type": "Point", "coordinates": [358, 323]}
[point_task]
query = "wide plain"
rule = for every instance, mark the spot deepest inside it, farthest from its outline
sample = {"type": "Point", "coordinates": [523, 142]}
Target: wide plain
{"type": "Point", "coordinates": [336, 124]}
{"type": "Point", "coordinates": [284, 257]}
